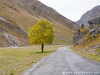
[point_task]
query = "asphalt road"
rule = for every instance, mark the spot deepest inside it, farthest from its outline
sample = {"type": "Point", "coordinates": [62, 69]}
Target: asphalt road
{"type": "Point", "coordinates": [64, 62]}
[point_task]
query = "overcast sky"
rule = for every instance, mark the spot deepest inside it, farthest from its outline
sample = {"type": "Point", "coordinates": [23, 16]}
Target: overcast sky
{"type": "Point", "coordinates": [71, 9]}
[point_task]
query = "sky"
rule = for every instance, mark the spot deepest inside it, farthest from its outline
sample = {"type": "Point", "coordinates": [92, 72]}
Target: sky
{"type": "Point", "coordinates": [71, 9]}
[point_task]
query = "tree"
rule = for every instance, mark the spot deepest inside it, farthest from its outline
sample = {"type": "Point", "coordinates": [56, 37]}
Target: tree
{"type": "Point", "coordinates": [78, 31]}
{"type": "Point", "coordinates": [41, 33]}
{"type": "Point", "coordinates": [82, 26]}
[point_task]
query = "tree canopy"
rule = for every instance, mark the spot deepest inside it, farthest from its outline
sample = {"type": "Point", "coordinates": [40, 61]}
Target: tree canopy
{"type": "Point", "coordinates": [41, 33]}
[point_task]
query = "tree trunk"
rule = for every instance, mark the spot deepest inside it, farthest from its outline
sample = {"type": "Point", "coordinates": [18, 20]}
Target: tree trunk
{"type": "Point", "coordinates": [42, 48]}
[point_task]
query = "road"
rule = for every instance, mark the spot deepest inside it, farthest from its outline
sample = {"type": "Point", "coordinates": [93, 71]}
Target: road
{"type": "Point", "coordinates": [64, 62]}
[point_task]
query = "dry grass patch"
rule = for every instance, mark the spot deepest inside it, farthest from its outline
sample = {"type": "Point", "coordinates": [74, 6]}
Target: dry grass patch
{"type": "Point", "coordinates": [15, 60]}
{"type": "Point", "coordinates": [92, 56]}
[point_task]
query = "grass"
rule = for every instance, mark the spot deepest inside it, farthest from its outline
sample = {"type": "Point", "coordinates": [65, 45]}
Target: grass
{"type": "Point", "coordinates": [88, 42]}
{"type": "Point", "coordinates": [97, 50]}
{"type": "Point", "coordinates": [15, 60]}
{"type": "Point", "coordinates": [91, 42]}
{"type": "Point", "coordinates": [63, 35]}
{"type": "Point", "coordinates": [91, 56]}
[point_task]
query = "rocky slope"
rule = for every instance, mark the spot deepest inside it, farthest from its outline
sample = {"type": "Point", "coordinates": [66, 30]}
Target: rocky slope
{"type": "Point", "coordinates": [11, 35]}
{"type": "Point", "coordinates": [92, 34]}
{"type": "Point", "coordinates": [93, 13]}
{"type": "Point", "coordinates": [90, 41]}
{"type": "Point", "coordinates": [17, 16]}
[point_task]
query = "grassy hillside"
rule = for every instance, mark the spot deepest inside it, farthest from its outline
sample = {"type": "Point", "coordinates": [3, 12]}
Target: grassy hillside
{"type": "Point", "coordinates": [24, 20]}
{"type": "Point", "coordinates": [90, 48]}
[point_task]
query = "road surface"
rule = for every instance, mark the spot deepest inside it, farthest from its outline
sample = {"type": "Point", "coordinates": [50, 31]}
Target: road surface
{"type": "Point", "coordinates": [64, 62]}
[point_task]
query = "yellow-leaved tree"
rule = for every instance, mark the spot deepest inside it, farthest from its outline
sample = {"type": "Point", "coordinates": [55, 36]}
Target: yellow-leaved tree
{"type": "Point", "coordinates": [41, 33]}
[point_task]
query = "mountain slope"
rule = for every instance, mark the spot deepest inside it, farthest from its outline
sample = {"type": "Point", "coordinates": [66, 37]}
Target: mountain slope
{"type": "Point", "coordinates": [8, 33]}
{"type": "Point", "coordinates": [88, 45]}
{"type": "Point", "coordinates": [23, 14]}
{"type": "Point", "coordinates": [93, 13]}
{"type": "Point", "coordinates": [39, 10]}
